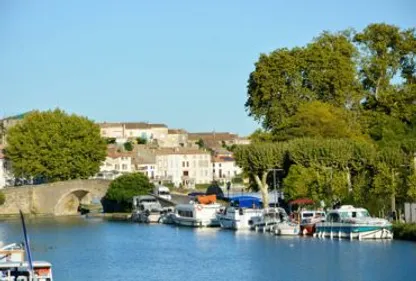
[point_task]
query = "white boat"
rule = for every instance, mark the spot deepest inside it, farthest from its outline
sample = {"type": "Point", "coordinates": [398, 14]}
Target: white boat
{"type": "Point", "coordinates": [268, 219]}
{"type": "Point", "coordinates": [240, 213]}
{"type": "Point", "coordinates": [198, 214]}
{"type": "Point", "coordinates": [353, 223]}
{"type": "Point", "coordinates": [20, 271]}
{"type": "Point", "coordinates": [147, 209]}
{"type": "Point", "coordinates": [12, 253]}
{"type": "Point", "coordinates": [309, 219]}
{"type": "Point", "coordinates": [286, 228]}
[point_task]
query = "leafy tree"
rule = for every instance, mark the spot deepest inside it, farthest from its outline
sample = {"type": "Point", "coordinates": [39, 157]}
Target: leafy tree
{"type": "Point", "coordinates": [285, 79]}
{"type": "Point", "coordinates": [54, 146]}
{"type": "Point", "coordinates": [123, 188]}
{"type": "Point", "coordinates": [200, 143]}
{"type": "Point", "coordinates": [128, 146]}
{"type": "Point", "coordinates": [318, 119]}
{"type": "Point", "coordinates": [257, 160]}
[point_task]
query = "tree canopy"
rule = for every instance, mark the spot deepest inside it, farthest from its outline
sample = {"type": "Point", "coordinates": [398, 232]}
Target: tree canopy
{"type": "Point", "coordinates": [123, 188]}
{"type": "Point", "coordinates": [342, 109]}
{"type": "Point", "coordinates": [53, 146]}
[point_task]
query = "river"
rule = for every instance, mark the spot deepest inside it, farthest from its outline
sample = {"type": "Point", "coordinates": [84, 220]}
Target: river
{"type": "Point", "coordinates": [92, 249]}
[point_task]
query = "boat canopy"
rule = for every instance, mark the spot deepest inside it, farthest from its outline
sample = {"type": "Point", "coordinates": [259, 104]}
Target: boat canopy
{"type": "Point", "coordinates": [245, 201]}
{"type": "Point", "coordinates": [207, 199]}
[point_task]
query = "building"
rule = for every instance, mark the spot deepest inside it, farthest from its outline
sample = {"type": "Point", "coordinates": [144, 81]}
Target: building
{"type": "Point", "coordinates": [185, 166]}
{"type": "Point", "coordinates": [212, 140]}
{"type": "Point", "coordinates": [225, 168]}
{"type": "Point", "coordinates": [130, 130]}
{"type": "Point", "coordinates": [116, 163]}
{"type": "Point", "coordinates": [144, 161]}
{"type": "Point", "coordinates": [175, 138]}
{"type": "Point", "coordinates": [9, 122]}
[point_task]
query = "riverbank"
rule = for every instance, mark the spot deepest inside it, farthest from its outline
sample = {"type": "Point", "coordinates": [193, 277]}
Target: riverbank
{"type": "Point", "coordinates": [404, 231]}
{"type": "Point", "coordinates": [110, 216]}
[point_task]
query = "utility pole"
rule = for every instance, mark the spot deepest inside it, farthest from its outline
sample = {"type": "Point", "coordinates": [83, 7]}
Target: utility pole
{"type": "Point", "coordinates": [276, 197]}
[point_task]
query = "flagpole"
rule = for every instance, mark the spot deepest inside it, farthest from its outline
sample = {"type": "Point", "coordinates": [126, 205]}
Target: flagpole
{"type": "Point", "coordinates": [27, 246]}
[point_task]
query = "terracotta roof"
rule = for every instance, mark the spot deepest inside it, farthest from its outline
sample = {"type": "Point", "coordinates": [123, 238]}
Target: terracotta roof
{"type": "Point", "coordinates": [179, 151]}
{"type": "Point", "coordinates": [223, 159]}
{"type": "Point", "coordinates": [176, 131]}
{"type": "Point", "coordinates": [109, 125]}
{"type": "Point", "coordinates": [132, 125]}
{"type": "Point", "coordinates": [142, 125]}
{"type": "Point", "coordinates": [116, 152]}
{"type": "Point", "coordinates": [212, 136]}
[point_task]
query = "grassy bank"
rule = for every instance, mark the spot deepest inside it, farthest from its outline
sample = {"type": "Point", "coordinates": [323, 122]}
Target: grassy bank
{"type": "Point", "coordinates": [404, 231]}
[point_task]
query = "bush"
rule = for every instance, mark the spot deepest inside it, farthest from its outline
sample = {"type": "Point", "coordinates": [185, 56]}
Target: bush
{"type": "Point", "coordinates": [405, 231]}
{"type": "Point", "coordinates": [128, 146]}
{"type": "Point", "coordinates": [2, 198]}
{"type": "Point", "coordinates": [123, 188]}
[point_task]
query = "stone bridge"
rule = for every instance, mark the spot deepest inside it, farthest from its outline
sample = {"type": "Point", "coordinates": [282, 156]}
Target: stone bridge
{"type": "Point", "coordinates": [58, 198]}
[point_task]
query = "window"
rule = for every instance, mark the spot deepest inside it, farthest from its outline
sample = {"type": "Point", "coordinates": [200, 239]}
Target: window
{"type": "Point", "coordinates": [185, 173]}
{"type": "Point", "coordinates": [187, 163]}
{"type": "Point", "coordinates": [124, 166]}
{"type": "Point", "coordinates": [183, 164]}
{"type": "Point", "coordinates": [117, 166]}
{"type": "Point", "coordinates": [219, 165]}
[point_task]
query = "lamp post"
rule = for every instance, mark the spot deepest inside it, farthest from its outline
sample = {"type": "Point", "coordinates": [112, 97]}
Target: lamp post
{"type": "Point", "coordinates": [276, 200]}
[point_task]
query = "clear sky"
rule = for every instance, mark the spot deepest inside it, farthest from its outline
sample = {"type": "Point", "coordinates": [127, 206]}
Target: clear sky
{"type": "Point", "coordinates": [182, 63]}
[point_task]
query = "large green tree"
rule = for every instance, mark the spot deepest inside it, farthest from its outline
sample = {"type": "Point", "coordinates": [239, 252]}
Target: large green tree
{"type": "Point", "coordinates": [257, 160]}
{"type": "Point", "coordinates": [123, 188]}
{"type": "Point", "coordinates": [54, 146]}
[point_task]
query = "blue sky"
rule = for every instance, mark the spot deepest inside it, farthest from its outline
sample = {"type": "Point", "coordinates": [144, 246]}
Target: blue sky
{"type": "Point", "coordinates": [182, 63]}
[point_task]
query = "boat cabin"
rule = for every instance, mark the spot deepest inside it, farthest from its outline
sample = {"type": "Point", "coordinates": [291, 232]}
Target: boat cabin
{"type": "Point", "coordinates": [347, 212]}
{"type": "Point", "coordinates": [12, 252]}
{"type": "Point", "coordinates": [312, 216]}
{"type": "Point", "coordinates": [146, 202]}
{"type": "Point", "coordinates": [19, 271]}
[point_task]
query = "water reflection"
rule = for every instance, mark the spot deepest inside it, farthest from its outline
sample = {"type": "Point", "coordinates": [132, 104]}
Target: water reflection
{"type": "Point", "coordinates": [83, 249]}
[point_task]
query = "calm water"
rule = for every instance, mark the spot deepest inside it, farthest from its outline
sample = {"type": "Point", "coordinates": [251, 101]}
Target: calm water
{"type": "Point", "coordinates": [84, 249]}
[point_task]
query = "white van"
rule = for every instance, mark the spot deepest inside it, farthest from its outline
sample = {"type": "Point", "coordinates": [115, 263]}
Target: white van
{"type": "Point", "coordinates": [162, 191]}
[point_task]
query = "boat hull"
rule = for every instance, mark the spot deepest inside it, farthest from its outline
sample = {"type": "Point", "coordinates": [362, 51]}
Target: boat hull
{"type": "Point", "coordinates": [286, 229]}
{"type": "Point", "coordinates": [237, 220]}
{"type": "Point", "coordinates": [354, 231]}
{"type": "Point", "coordinates": [192, 222]}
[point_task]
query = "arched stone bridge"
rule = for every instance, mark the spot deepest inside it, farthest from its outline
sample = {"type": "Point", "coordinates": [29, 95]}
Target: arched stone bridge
{"type": "Point", "coordinates": [59, 198]}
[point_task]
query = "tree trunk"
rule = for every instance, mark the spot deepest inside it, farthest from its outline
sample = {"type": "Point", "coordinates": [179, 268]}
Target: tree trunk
{"type": "Point", "coordinates": [262, 184]}
{"type": "Point", "coordinates": [349, 180]}
{"type": "Point", "coordinates": [393, 197]}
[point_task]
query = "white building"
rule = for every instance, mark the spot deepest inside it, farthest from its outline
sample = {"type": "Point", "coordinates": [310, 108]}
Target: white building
{"type": "Point", "coordinates": [145, 162]}
{"type": "Point", "coordinates": [185, 166]}
{"type": "Point", "coordinates": [124, 131]}
{"type": "Point", "coordinates": [115, 164]}
{"type": "Point", "coordinates": [225, 168]}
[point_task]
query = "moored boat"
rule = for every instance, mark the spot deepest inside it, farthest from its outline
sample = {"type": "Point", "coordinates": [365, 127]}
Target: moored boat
{"type": "Point", "coordinates": [309, 219]}
{"type": "Point", "coordinates": [238, 215]}
{"type": "Point", "coordinates": [353, 223]}
{"type": "Point", "coordinates": [268, 219]}
{"type": "Point", "coordinates": [202, 213]}
{"type": "Point", "coordinates": [147, 209]}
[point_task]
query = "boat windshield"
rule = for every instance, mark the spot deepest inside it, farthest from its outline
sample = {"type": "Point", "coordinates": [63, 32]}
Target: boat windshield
{"type": "Point", "coordinates": [354, 214]}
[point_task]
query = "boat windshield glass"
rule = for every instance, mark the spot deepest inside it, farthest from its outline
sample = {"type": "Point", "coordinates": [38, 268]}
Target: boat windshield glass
{"type": "Point", "coordinates": [164, 193]}
{"type": "Point", "coordinates": [360, 214]}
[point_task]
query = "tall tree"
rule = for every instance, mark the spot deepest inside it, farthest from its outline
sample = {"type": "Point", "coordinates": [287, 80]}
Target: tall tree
{"type": "Point", "coordinates": [53, 146]}
{"type": "Point", "coordinates": [257, 160]}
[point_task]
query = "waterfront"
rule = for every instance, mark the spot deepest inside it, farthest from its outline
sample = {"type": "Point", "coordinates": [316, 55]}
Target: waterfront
{"type": "Point", "coordinates": [93, 249]}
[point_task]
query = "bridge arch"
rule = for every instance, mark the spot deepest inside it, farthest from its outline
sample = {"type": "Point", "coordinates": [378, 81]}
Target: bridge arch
{"type": "Point", "coordinates": [69, 202]}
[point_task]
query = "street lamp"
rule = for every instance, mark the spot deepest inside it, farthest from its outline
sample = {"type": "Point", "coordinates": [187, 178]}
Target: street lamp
{"type": "Point", "coordinates": [276, 200]}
